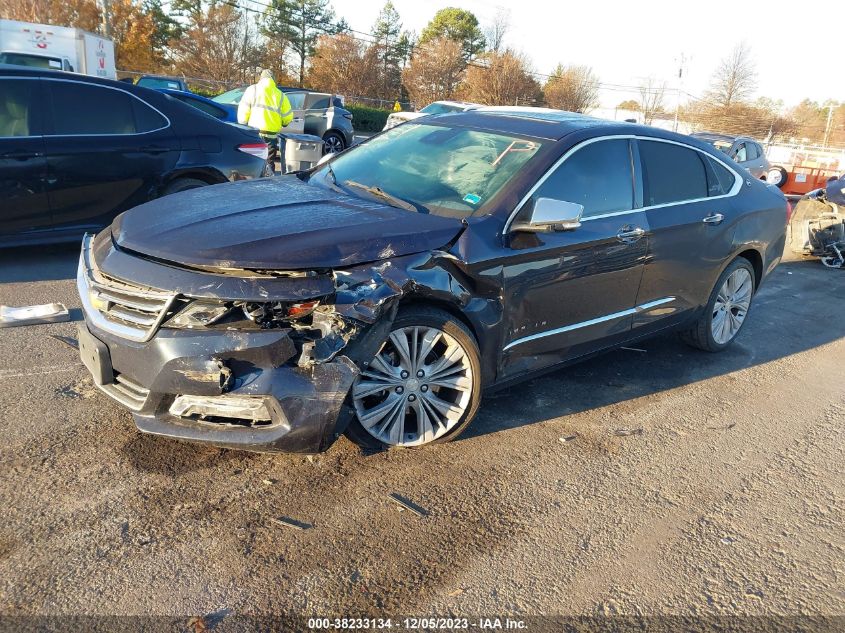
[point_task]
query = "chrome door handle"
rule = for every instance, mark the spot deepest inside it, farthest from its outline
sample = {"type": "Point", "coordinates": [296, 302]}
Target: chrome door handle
{"type": "Point", "coordinates": [714, 218]}
{"type": "Point", "coordinates": [630, 234]}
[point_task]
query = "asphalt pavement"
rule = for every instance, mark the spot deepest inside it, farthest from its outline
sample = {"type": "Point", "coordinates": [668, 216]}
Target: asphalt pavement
{"type": "Point", "coordinates": [653, 481]}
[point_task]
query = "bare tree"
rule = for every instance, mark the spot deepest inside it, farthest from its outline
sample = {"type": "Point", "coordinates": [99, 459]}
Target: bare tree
{"type": "Point", "coordinates": [496, 31]}
{"type": "Point", "coordinates": [435, 72]}
{"type": "Point", "coordinates": [343, 64]}
{"type": "Point", "coordinates": [220, 44]}
{"type": "Point", "coordinates": [84, 14]}
{"type": "Point", "coordinates": [651, 98]}
{"type": "Point", "coordinates": [501, 79]}
{"type": "Point", "coordinates": [735, 78]}
{"type": "Point", "coordinates": [572, 88]}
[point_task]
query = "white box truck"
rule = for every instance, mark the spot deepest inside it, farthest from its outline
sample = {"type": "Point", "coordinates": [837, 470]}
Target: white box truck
{"type": "Point", "coordinates": [56, 48]}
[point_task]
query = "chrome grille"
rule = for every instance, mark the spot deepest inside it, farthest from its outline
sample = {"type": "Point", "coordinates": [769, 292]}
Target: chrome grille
{"type": "Point", "coordinates": [123, 309]}
{"type": "Point", "coordinates": [130, 394]}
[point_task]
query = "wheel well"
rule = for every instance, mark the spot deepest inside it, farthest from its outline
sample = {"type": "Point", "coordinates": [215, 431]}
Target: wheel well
{"type": "Point", "coordinates": [446, 306]}
{"type": "Point", "coordinates": [198, 175]}
{"type": "Point", "coordinates": [756, 261]}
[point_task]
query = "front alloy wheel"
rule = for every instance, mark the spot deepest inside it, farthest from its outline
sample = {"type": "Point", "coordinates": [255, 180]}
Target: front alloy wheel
{"type": "Point", "coordinates": [421, 387]}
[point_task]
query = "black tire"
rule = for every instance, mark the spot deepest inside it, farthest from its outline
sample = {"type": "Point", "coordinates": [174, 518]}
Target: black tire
{"type": "Point", "coordinates": [428, 316]}
{"type": "Point", "coordinates": [782, 173]}
{"type": "Point", "coordinates": [700, 335]}
{"type": "Point", "coordinates": [333, 143]}
{"type": "Point", "coordinates": [183, 184]}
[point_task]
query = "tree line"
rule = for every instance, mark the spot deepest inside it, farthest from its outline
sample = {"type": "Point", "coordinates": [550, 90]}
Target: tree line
{"type": "Point", "coordinates": [221, 43]}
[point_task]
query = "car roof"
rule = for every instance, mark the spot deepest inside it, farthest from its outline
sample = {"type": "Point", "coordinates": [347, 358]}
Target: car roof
{"type": "Point", "coordinates": [7, 70]}
{"type": "Point", "coordinates": [716, 136]}
{"type": "Point", "coordinates": [462, 104]}
{"type": "Point", "coordinates": [546, 123]}
{"type": "Point", "coordinates": [169, 78]}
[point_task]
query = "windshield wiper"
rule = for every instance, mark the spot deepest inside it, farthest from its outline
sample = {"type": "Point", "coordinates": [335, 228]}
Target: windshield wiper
{"type": "Point", "coordinates": [381, 193]}
{"type": "Point", "coordinates": [332, 180]}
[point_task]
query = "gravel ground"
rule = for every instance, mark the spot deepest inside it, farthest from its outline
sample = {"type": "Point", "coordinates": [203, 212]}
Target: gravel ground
{"type": "Point", "coordinates": [729, 501]}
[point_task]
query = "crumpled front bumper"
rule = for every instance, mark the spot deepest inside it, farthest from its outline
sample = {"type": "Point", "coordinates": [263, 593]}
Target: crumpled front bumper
{"type": "Point", "coordinates": [305, 402]}
{"type": "Point", "coordinates": [154, 371]}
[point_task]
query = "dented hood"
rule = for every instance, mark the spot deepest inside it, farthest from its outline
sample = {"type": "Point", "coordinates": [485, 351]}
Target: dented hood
{"type": "Point", "coordinates": [277, 224]}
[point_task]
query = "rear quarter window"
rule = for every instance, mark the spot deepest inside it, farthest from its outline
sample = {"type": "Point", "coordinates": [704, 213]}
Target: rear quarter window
{"type": "Point", "coordinates": [720, 180]}
{"type": "Point", "coordinates": [146, 118]}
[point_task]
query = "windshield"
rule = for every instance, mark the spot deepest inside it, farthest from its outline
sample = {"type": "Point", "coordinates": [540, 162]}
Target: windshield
{"type": "Point", "coordinates": [231, 97]}
{"type": "Point", "coordinates": [725, 146]}
{"type": "Point", "coordinates": [32, 61]}
{"type": "Point", "coordinates": [451, 171]}
{"type": "Point", "coordinates": [441, 108]}
{"type": "Point", "coordinates": [159, 82]}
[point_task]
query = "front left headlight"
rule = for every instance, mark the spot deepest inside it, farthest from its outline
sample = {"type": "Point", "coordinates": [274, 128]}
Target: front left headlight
{"type": "Point", "coordinates": [199, 314]}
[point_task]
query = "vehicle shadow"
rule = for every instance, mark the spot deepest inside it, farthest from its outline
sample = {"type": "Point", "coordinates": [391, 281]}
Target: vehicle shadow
{"type": "Point", "coordinates": [800, 307]}
{"type": "Point", "coordinates": [39, 263]}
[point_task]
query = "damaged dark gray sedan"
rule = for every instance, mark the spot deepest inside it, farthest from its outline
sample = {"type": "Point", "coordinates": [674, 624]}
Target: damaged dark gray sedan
{"type": "Point", "coordinates": [380, 293]}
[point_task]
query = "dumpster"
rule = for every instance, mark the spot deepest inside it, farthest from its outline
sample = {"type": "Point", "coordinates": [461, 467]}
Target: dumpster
{"type": "Point", "coordinates": [300, 151]}
{"type": "Point", "coordinates": [802, 179]}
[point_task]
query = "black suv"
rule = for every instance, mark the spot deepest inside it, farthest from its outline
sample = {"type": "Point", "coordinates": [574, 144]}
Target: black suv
{"type": "Point", "coordinates": [76, 151]}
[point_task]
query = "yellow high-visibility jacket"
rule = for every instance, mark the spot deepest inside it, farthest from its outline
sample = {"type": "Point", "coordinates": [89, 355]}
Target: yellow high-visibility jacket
{"type": "Point", "coordinates": [265, 107]}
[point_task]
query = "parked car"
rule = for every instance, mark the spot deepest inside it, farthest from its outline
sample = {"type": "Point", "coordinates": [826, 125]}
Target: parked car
{"type": "Point", "coordinates": [438, 107]}
{"type": "Point", "coordinates": [317, 113]}
{"type": "Point", "coordinates": [379, 293]}
{"type": "Point", "coordinates": [157, 82]}
{"type": "Point", "coordinates": [220, 111]}
{"type": "Point", "coordinates": [75, 151]}
{"type": "Point", "coordinates": [744, 150]}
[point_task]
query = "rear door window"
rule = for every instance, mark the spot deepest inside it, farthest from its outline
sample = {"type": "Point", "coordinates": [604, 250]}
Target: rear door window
{"type": "Point", "coordinates": [320, 104]}
{"type": "Point", "coordinates": [79, 108]}
{"type": "Point", "coordinates": [84, 109]}
{"type": "Point", "coordinates": [598, 176]}
{"type": "Point", "coordinates": [671, 173]}
{"type": "Point", "coordinates": [19, 111]}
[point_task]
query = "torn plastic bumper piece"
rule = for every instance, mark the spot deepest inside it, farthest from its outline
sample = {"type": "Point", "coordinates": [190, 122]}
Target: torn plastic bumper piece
{"type": "Point", "coordinates": [233, 389]}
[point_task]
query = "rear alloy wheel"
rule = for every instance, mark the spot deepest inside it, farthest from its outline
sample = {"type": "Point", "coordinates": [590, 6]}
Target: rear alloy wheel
{"type": "Point", "coordinates": [726, 310]}
{"type": "Point", "coordinates": [333, 143]}
{"type": "Point", "coordinates": [731, 307]}
{"type": "Point", "coordinates": [421, 387]}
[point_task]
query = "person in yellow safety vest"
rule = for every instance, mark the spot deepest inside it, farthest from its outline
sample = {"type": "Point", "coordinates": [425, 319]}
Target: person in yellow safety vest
{"type": "Point", "coordinates": [397, 107]}
{"type": "Point", "coordinates": [265, 107]}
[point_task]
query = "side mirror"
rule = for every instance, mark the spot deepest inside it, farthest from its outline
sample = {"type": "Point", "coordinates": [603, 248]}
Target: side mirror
{"type": "Point", "coordinates": [551, 215]}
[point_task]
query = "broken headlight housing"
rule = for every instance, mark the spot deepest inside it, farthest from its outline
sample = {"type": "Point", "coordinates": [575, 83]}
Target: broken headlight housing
{"type": "Point", "coordinates": [199, 314]}
{"type": "Point", "coordinates": [239, 314]}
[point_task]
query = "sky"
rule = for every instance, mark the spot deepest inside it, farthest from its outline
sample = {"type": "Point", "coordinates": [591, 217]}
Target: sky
{"type": "Point", "coordinates": [798, 52]}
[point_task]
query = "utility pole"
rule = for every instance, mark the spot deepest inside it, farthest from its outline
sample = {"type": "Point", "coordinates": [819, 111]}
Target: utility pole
{"type": "Point", "coordinates": [683, 60]}
{"type": "Point", "coordinates": [106, 18]}
{"type": "Point", "coordinates": [827, 125]}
